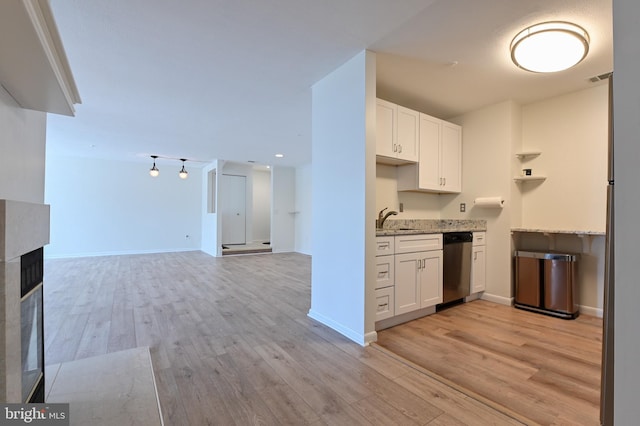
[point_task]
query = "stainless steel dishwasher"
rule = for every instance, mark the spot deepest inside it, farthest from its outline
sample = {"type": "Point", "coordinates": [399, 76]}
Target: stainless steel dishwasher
{"type": "Point", "coordinates": [456, 272]}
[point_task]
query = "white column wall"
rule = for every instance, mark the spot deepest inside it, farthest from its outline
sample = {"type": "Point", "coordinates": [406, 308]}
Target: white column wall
{"type": "Point", "coordinates": [343, 182]}
{"type": "Point", "coordinates": [210, 224]}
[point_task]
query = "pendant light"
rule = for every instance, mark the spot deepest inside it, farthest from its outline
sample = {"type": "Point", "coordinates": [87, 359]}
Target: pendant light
{"type": "Point", "coordinates": [154, 172]}
{"type": "Point", "coordinates": [550, 47]}
{"type": "Point", "coordinates": [183, 173]}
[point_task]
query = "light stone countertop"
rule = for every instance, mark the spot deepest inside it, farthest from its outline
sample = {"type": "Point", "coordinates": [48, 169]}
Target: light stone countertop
{"type": "Point", "coordinates": [429, 226]}
{"type": "Point", "coordinates": [556, 231]}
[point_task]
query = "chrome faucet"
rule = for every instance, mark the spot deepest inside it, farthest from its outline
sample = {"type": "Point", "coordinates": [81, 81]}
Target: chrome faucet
{"type": "Point", "coordinates": [381, 219]}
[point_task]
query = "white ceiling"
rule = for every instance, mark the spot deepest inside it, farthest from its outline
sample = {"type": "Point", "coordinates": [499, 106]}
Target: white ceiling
{"type": "Point", "coordinates": [231, 79]}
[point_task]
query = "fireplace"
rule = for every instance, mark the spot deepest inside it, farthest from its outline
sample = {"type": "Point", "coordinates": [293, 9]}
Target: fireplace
{"type": "Point", "coordinates": [24, 231]}
{"type": "Point", "coordinates": [32, 326]}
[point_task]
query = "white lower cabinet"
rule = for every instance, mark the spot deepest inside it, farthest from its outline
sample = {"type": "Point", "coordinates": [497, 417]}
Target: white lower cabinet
{"type": "Point", "coordinates": [418, 280]}
{"type": "Point", "coordinates": [408, 274]}
{"type": "Point", "coordinates": [478, 263]}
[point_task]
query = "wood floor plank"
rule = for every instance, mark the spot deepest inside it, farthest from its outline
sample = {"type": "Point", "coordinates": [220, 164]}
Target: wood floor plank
{"type": "Point", "coordinates": [541, 367]}
{"type": "Point", "coordinates": [231, 343]}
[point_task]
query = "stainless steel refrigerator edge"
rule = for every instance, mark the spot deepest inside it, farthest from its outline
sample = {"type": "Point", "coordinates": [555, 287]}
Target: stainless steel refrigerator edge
{"type": "Point", "coordinates": [606, 382]}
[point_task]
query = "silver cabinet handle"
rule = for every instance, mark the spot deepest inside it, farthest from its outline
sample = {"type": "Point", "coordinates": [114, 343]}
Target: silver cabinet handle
{"type": "Point", "coordinates": [399, 148]}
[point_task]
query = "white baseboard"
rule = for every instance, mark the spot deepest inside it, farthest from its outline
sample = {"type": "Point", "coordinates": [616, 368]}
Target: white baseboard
{"type": "Point", "coordinates": [589, 310]}
{"type": "Point", "coordinates": [507, 301]}
{"type": "Point", "coordinates": [114, 253]}
{"type": "Point", "coordinates": [359, 338]}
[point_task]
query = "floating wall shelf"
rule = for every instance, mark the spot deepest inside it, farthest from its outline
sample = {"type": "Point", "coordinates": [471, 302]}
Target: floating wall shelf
{"type": "Point", "coordinates": [529, 178]}
{"type": "Point", "coordinates": [527, 154]}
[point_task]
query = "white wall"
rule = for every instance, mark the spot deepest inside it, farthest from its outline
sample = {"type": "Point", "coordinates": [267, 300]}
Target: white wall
{"type": "Point", "coordinates": [283, 181]}
{"type": "Point", "coordinates": [626, 15]}
{"type": "Point", "coordinates": [303, 208]}
{"type": "Point", "coordinates": [343, 152]}
{"type": "Point", "coordinates": [571, 132]}
{"type": "Point", "coordinates": [101, 207]}
{"type": "Point", "coordinates": [415, 205]}
{"type": "Point", "coordinates": [22, 148]}
{"type": "Point", "coordinates": [487, 138]}
{"type": "Point", "coordinates": [261, 206]}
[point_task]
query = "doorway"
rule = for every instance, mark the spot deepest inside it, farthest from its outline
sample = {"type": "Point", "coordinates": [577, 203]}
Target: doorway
{"type": "Point", "coordinates": [233, 209]}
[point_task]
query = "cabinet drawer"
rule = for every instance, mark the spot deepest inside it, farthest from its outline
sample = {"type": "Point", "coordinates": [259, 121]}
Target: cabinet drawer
{"type": "Point", "coordinates": [421, 242]}
{"type": "Point", "coordinates": [384, 271]}
{"type": "Point", "coordinates": [384, 303]}
{"type": "Point", "coordinates": [479, 238]}
{"type": "Point", "coordinates": [384, 246]}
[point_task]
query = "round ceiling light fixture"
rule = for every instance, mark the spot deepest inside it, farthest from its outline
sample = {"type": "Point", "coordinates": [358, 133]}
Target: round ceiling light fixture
{"type": "Point", "coordinates": [550, 47]}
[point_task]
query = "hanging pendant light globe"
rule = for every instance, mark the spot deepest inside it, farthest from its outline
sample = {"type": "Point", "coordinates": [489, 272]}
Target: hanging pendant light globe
{"type": "Point", "coordinates": [183, 173]}
{"type": "Point", "coordinates": [550, 47]}
{"type": "Point", "coordinates": [154, 172]}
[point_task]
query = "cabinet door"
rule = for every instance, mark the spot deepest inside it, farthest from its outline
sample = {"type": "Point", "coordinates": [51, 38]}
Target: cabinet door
{"type": "Point", "coordinates": [451, 157]}
{"type": "Point", "coordinates": [478, 269]}
{"type": "Point", "coordinates": [429, 153]}
{"type": "Point", "coordinates": [407, 280]}
{"type": "Point", "coordinates": [385, 128]}
{"type": "Point", "coordinates": [408, 125]}
{"type": "Point", "coordinates": [384, 271]}
{"type": "Point", "coordinates": [431, 278]}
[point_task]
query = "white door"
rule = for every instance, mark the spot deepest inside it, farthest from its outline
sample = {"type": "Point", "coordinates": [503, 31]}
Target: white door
{"type": "Point", "coordinates": [232, 207]}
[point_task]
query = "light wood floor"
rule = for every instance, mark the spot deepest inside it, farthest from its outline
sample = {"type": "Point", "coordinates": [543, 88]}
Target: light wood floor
{"type": "Point", "coordinates": [543, 368]}
{"type": "Point", "coordinates": [232, 344]}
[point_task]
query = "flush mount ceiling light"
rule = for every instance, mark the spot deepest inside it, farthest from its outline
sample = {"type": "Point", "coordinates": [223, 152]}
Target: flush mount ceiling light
{"type": "Point", "coordinates": [183, 173]}
{"type": "Point", "coordinates": [154, 172]}
{"type": "Point", "coordinates": [550, 47]}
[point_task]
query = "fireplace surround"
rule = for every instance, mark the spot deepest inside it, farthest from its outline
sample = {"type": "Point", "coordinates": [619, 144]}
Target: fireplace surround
{"type": "Point", "coordinates": [24, 227]}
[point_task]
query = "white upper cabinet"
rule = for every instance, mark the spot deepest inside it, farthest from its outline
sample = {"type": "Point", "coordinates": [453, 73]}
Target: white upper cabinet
{"type": "Point", "coordinates": [451, 157]}
{"type": "Point", "coordinates": [439, 167]}
{"type": "Point", "coordinates": [397, 130]}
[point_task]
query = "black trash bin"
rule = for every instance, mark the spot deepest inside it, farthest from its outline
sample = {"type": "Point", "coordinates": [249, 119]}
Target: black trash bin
{"type": "Point", "coordinates": [546, 282]}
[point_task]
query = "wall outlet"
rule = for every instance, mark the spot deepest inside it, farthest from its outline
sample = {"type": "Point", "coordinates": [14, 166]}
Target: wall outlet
{"type": "Point", "coordinates": [463, 207]}
{"type": "Point", "coordinates": [401, 207]}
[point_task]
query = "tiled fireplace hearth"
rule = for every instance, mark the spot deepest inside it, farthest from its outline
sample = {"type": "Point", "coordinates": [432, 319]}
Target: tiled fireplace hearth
{"type": "Point", "coordinates": [24, 227]}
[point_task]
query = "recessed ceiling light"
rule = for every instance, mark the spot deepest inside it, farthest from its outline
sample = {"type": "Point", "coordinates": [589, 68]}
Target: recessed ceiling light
{"type": "Point", "coordinates": [550, 47]}
{"type": "Point", "coordinates": [279, 155]}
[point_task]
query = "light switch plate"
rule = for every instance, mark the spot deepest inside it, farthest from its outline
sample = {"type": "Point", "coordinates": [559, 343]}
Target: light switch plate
{"type": "Point", "coordinates": [401, 207]}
